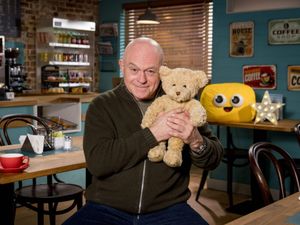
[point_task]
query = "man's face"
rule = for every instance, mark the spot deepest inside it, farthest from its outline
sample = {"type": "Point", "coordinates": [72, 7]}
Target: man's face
{"type": "Point", "coordinates": [140, 68]}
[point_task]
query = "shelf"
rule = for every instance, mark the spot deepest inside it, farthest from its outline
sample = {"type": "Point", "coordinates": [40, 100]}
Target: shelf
{"type": "Point", "coordinates": [64, 45]}
{"type": "Point", "coordinates": [74, 84]}
{"type": "Point", "coordinates": [59, 63]}
{"type": "Point", "coordinates": [60, 56]}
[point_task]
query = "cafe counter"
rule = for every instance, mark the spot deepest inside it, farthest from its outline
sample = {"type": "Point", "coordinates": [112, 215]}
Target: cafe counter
{"type": "Point", "coordinates": [68, 110]}
{"type": "Point", "coordinates": [42, 99]}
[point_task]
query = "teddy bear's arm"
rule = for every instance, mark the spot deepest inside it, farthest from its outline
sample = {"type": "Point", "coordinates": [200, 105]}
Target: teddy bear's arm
{"type": "Point", "coordinates": [152, 112]}
{"type": "Point", "coordinates": [197, 113]}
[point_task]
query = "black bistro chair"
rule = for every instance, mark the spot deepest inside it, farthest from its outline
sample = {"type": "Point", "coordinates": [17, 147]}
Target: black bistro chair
{"type": "Point", "coordinates": [296, 160]}
{"type": "Point", "coordinates": [272, 153]}
{"type": "Point", "coordinates": [55, 191]}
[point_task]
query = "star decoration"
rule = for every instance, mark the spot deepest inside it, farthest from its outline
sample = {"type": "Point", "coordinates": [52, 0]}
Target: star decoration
{"type": "Point", "coordinates": [266, 109]}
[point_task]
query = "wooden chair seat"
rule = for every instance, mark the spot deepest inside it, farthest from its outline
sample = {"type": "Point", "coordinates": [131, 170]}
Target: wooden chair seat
{"type": "Point", "coordinates": [57, 192]}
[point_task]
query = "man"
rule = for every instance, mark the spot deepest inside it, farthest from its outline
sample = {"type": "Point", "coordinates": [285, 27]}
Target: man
{"type": "Point", "coordinates": [126, 187]}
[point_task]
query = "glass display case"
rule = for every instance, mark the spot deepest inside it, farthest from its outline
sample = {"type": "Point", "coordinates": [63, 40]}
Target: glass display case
{"type": "Point", "coordinates": [65, 56]}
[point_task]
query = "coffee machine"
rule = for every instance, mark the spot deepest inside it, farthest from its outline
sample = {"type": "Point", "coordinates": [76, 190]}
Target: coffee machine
{"type": "Point", "coordinates": [15, 74]}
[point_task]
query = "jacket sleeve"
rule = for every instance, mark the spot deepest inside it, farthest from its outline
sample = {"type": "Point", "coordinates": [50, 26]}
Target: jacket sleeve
{"type": "Point", "coordinates": [106, 150]}
{"type": "Point", "coordinates": [212, 155]}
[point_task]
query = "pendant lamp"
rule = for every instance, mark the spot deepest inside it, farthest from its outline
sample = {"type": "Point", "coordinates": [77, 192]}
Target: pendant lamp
{"type": "Point", "coordinates": [148, 18]}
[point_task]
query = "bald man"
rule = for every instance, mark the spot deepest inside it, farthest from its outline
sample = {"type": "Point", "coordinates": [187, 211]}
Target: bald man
{"type": "Point", "coordinates": [126, 187]}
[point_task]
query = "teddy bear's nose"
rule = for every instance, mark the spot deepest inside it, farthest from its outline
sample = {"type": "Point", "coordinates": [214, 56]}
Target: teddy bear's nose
{"type": "Point", "coordinates": [177, 93]}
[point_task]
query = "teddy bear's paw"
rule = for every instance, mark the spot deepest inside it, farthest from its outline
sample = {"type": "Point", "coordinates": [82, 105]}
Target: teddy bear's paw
{"type": "Point", "coordinates": [173, 159]}
{"type": "Point", "coordinates": [198, 121]}
{"type": "Point", "coordinates": [156, 154]}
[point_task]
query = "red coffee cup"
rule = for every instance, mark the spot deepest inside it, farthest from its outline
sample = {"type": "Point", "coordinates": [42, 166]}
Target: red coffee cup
{"type": "Point", "coordinates": [13, 160]}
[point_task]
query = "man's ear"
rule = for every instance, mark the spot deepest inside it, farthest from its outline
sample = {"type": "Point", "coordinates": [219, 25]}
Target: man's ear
{"type": "Point", "coordinates": [122, 66]}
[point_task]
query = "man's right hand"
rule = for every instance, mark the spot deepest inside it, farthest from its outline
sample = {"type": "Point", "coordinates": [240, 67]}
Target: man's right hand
{"type": "Point", "coordinates": [160, 129]}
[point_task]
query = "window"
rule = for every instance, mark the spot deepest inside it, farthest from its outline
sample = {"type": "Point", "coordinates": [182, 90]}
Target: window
{"type": "Point", "coordinates": [184, 32]}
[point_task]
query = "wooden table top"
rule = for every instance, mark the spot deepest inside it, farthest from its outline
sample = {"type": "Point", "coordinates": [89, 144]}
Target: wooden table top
{"type": "Point", "coordinates": [284, 211]}
{"type": "Point", "coordinates": [42, 165]}
{"type": "Point", "coordinates": [285, 125]}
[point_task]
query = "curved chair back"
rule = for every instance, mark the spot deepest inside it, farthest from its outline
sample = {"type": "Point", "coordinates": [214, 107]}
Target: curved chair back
{"type": "Point", "coordinates": [297, 132]}
{"type": "Point", "coordinates": [28, 120]}
{"type": "Point", "coordinates": [273, 153]}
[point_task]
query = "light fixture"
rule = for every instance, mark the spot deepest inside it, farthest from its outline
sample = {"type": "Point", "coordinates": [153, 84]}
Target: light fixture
{"type": "Point", "coordinates": [266, 109]}
{"type": "Point", "coordinates": [148, 18]}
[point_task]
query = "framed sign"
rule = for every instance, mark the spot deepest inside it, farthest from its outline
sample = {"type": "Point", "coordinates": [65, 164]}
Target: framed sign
{"type": "Point", "coordinates": [10, 18]}
{"type": "Point", "coordinates": [108, 30]}
{"type": "Point", "coordinates": [294, 78]}
{"type": "Point", "coordinates": [241, 39]}
{"type": "Point", "coordinates": [260, 76]}
{"type": "Point", "coordinates": [286, 31]}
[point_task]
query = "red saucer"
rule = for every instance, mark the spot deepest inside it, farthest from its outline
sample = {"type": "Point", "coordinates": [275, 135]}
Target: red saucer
{"type": "Point", "coordinates": [13, 170]}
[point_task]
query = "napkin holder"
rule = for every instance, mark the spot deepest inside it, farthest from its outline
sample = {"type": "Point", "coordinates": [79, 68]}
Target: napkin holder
{"type": "Point", "coordinates": [33, 144]}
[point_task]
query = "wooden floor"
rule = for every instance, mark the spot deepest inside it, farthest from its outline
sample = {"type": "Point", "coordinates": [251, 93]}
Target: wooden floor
{"type": "Point", "coordinates": [212, 206]}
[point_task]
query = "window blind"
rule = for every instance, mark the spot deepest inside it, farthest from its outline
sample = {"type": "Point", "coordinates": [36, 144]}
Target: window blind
{"type": "Point", "coordinates": [184, 32]}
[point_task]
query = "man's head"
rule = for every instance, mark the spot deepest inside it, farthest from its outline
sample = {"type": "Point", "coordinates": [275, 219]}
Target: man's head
{"type": "Point", "coordinates": [140, 67]}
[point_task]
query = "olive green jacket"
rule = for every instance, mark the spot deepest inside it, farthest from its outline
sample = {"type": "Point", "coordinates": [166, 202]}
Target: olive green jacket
{"type": "Point", "coordinates": [116, 148]}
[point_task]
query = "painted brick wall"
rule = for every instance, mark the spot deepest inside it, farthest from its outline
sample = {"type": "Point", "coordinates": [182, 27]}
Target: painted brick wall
{"type": "Point", "coordinates": [33, 10]}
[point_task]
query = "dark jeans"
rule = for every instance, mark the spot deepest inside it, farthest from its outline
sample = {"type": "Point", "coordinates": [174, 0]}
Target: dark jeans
{"type": "Point", "coordinates": [96, 214]}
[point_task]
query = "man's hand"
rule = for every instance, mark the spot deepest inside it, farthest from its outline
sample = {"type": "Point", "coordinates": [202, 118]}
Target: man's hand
{"type": "Point", "coordinates": [176, 123]}
{"type": "Point", "coordinates": [160, 128]}
{"type": "Point", "coordinates": [183, 129]}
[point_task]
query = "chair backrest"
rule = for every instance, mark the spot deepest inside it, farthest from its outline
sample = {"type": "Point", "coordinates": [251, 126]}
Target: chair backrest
{"type": "Point", "coordinates": [33, 122]}
{"type": "Point", "coordinates": [274, 154]}
{"type": "Point", "coordinates": [297, 132]}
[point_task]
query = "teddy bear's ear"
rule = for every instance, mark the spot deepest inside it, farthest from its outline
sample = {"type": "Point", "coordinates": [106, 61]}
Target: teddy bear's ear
{"type": "Point", "coordinates": [202, 78]}
{"type": "Point", "coordinates": [164, 71]}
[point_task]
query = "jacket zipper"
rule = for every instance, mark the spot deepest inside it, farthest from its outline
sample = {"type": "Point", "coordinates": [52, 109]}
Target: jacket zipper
{"type": "Point", "coordinates": [144, 163]}
{"type": "Point", "coordinates": [142, 187]}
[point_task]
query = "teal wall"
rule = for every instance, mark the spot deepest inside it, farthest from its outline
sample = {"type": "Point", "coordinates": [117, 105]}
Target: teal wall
{"type": "Point", "coordinates": [229, 69]}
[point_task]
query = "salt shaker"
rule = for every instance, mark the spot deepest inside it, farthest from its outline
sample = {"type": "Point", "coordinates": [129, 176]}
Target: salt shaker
{"type": "Point", "coordinates": [68, 143]}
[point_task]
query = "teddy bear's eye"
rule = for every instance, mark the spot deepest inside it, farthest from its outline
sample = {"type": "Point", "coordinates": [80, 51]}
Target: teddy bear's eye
{"type": "Point", "coordinates": [237, 100]}
{"type": "Point", "coordinates": [219, 100]}
{"type": "Point", "coordinates": [184, 86]}
{"type": "Point", "coordinates": [173, 85]}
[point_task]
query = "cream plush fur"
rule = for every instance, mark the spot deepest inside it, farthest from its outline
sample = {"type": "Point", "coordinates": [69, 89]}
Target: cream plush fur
{"type": "Point", "coordinates": [180, 85]}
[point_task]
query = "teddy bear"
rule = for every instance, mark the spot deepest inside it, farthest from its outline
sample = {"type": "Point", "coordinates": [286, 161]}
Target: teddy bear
{"type": "Point", "coordinates": [180, 86]}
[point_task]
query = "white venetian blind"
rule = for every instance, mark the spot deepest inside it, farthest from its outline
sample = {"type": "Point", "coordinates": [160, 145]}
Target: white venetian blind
{"type": "Point", "coordinates": [184, 32]}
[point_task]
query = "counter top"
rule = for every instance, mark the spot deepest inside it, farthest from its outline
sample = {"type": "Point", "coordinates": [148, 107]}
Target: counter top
{"type": "Point", "coordinates": [42, 99]}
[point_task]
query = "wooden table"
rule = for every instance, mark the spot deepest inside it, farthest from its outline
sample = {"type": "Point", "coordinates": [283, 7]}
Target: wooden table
{"type": "Point", "coordinates": [42, 165]}
{"type": "Point", "coordinates": [284, 211]}
{"type": "Point", "coordinates": [284, 125]}
{"type": "Point", "coordinates": [260, 131]}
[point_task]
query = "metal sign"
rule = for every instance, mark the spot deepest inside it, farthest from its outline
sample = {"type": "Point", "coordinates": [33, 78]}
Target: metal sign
{"type": "Point", "coordinates": [260, 76]}
{"type": "Point", "coordinates": [241, 39]}
{"type": "Point", "coordinates": [285, 31]}
{"type": "Point", "coordinates": [294, 78]}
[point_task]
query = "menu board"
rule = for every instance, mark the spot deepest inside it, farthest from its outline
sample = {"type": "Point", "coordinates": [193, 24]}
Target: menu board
{"type": "Point", "coordinates": [10, 18]}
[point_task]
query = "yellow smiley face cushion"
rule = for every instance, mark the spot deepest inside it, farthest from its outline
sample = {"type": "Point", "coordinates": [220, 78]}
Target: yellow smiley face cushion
{"type": "Point", "coordinates": [228, 102]}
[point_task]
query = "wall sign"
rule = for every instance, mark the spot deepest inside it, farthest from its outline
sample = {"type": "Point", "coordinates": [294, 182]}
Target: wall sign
{"type": "Point", "coordinates": [10, 14]}
{"type": "Point", "coordinates": [260, 76]}
{"type": "Point", "coordinates": [294, 78]}
{"type": "Point", "coordinates": [241, 39]}
{"type": "Point", "coordinates": [285, 31]}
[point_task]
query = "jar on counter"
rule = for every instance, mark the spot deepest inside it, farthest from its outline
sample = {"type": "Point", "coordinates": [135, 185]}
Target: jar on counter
{"type": "Point", "coordinates": [68, 143]}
